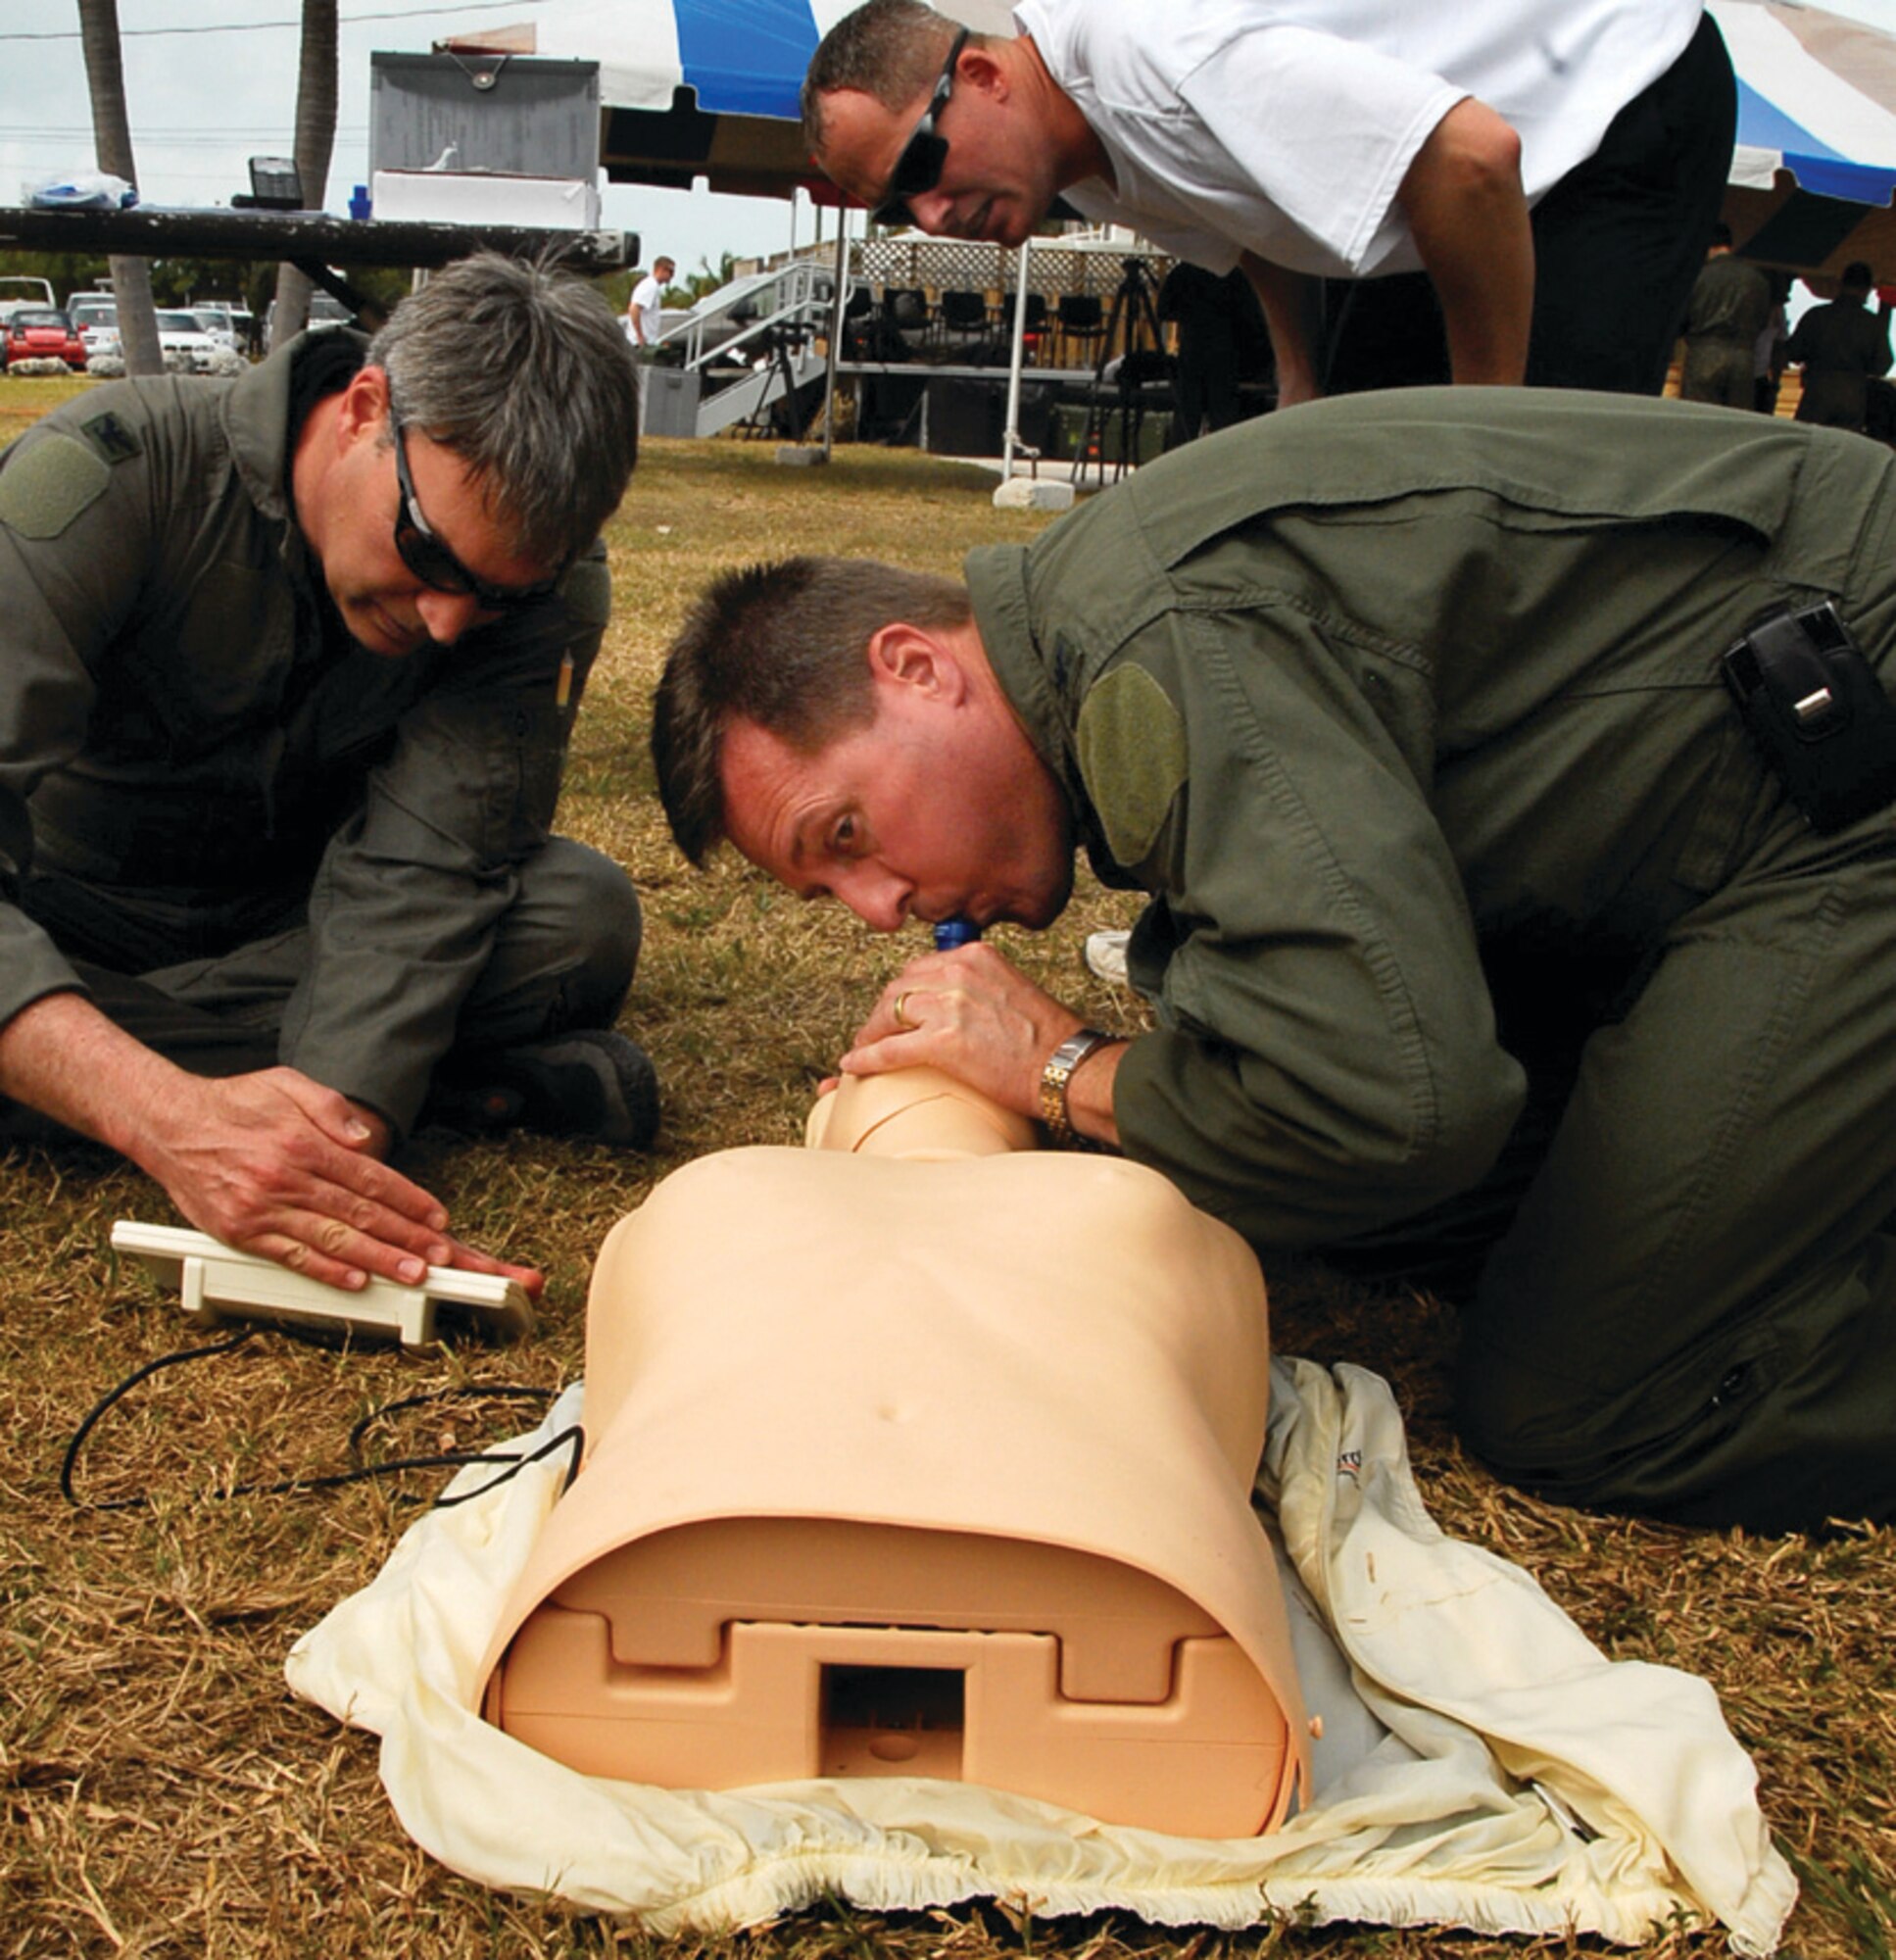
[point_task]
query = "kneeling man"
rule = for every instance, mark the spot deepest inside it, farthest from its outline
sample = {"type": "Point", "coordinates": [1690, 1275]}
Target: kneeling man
{"type": "Point", "coordinates": [288, 667]}
{"type": "Point", "coordinates": [1483, 928]}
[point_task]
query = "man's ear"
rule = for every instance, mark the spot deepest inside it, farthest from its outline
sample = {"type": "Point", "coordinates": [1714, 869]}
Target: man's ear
{"type": "Point", "coordinates": [905, 655]}
{"type": "Point", "coordinates": [977, 69]}
{"type": "Point", "coordinates": [363, 408]}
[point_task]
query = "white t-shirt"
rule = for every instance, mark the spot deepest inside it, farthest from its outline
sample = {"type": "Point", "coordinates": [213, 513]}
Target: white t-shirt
{"type": "Point", "coordinates": [1285, 127]}
{"type": "Point", "coordinates": [645, 305]}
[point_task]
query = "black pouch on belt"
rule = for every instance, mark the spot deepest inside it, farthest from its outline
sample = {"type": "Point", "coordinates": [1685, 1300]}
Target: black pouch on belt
{"type": "Point", "coordinates": [1814, 707]}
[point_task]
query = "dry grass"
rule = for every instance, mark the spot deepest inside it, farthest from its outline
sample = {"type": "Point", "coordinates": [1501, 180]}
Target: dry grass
{"type": "Point", "coordinates": [164, 1795]}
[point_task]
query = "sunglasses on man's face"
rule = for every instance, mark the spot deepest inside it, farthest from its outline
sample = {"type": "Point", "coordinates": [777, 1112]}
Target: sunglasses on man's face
{"type": "Point", "coordinates": [925, 155]}
{"type": "Point", "coordinates": [432, 562]}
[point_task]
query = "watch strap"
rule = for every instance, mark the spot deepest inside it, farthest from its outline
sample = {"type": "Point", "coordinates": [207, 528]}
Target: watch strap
{"type": "Point", "coordinates": [1057, 1077]}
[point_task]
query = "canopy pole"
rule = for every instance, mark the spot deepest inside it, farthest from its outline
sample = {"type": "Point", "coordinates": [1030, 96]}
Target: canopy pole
{"type": "Point", "coordinates": [1011, 440]}
{"type": "Point", "coordinates": [836, 328]}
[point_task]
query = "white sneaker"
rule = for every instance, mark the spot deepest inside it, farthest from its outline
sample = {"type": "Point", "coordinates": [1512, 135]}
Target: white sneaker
{"type": "Point", "coordinates": [1106, 955]}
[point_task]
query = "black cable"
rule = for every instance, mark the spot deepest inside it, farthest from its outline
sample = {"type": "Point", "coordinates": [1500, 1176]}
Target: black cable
{"type": "Point", "coordinates": [123, 1388]}
{"type": "Point", "coordinates": [362, 1472]}
{"type": "Point", "coordinates": [572, 1434]}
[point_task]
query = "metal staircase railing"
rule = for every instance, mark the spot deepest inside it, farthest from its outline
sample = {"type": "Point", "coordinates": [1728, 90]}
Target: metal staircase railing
{"type": "Point", "coordinates": [731, 340]}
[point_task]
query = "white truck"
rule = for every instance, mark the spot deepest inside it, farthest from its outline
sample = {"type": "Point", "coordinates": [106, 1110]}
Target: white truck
{"type": "Point", "coordinates": [23, 289]}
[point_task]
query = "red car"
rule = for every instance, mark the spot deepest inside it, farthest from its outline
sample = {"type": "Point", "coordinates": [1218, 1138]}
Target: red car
{"type": "Point", "coordinates": [36, 332]}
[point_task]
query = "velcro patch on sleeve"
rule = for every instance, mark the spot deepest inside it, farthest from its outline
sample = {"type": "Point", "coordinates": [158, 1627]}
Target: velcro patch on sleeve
{"type": "Point", "coordinates": [49, 483]}
{"type": "Point", "coordinates": [1131, 749]}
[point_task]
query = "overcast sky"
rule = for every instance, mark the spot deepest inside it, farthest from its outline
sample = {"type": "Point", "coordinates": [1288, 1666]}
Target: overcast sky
{"type": "Point", "coordinates": [202, 103]}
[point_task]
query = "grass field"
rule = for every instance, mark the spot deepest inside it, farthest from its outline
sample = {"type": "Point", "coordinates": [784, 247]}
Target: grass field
{"type": "Point", "coordinates": [165, 1795]}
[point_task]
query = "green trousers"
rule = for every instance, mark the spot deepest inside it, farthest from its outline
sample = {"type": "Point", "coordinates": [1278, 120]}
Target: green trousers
{"type": "Point", "coordinates": [207, 984]}
{"type": "Point", "coordinates": [1693, 1311]}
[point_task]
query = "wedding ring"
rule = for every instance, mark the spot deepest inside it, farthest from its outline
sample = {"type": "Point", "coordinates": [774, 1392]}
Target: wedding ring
{"type": "Point", "coordinates": [900, 1011]}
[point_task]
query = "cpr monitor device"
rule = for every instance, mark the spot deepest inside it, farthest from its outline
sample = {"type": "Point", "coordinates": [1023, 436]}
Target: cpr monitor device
{"type": "Point", "coordinates": [216, 1283]}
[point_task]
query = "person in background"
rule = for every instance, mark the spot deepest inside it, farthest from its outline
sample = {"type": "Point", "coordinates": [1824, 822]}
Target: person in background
{"type": "Point", "coordinates": [646, 304]}
{"type": "Point", "coordinates": [1841, 347]}
{"type": "Point", "coordinates": [1730, 307]}
{"type": "Point", "coordinates": [288, 667]}
{"type": "Point", "coordinates": [1417, 193]}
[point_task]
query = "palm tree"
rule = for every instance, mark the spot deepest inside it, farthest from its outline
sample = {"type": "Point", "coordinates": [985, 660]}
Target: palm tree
{"type": "Point", "coordinates": [131, 280]}
{"type": "Point", "coordinates": [705, 280]}
{"type": "Point", "coordinates": [315, 137]}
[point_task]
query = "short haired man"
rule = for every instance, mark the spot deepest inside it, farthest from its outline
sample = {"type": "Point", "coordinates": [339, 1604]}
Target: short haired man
{"type": "Point", "coordinates": [290, 665]}
{"type": "Point", "coordinates": [644, 309]}
{"type": "Point", "coordinates": [1841, 347]}
{"type": "Point", "coordinates": [1730, 307]}
{"type": "Point", "coordinates": [1477, 917]}
{"type": "Point", "coordinates": [1551, 177]}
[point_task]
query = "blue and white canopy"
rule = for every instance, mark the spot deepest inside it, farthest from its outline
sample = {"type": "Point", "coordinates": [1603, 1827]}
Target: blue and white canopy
{"type": "Point", "coordinates": [1815, 169]}
{"type": "Point", "coordinates": [1817, 97]}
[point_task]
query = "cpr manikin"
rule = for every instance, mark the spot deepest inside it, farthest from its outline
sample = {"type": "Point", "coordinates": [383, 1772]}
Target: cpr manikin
{"type": "Point", "coordinates": [918, 1452]}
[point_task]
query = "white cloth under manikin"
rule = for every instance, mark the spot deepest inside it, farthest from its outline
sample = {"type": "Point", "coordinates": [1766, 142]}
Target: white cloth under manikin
{"type": "Point", "coordinates": [1482, 1764]}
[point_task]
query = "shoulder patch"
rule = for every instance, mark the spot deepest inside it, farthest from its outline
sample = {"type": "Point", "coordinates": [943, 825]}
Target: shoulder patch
{"type": "Point", "coordinates": [1132, 750]}
{"type": "Point", "coordinates": [48, 483]}
{"type": "Point", "coordinates": [111, 438]}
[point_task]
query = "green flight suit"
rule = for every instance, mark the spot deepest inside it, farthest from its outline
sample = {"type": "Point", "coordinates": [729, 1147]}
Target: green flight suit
{"type": "Point", "coordinates": [1407, 712]}
{"type": "Point", "coordinates": [251, 839]}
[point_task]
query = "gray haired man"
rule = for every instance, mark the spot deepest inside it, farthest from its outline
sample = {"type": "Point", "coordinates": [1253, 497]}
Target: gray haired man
{"type": "Point", "coordinates": [290, 665]}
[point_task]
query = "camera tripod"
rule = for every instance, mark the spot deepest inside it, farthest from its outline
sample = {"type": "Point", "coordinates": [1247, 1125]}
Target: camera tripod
{"type": "Point", "coordinates": [1133, 326]}
{"type": "Point", "coordinates": [784, 341]}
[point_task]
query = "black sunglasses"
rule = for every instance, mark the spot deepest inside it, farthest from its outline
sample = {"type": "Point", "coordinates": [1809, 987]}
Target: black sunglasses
{"type": "Point", "coordinates": [432, 562]}
{"type": "Point", "coordinates": [925, 154]}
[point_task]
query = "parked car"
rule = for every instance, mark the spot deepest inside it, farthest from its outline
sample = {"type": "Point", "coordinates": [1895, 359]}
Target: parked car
{"type": "Point", "coordinates": [23, 289]}
{"type": "Point", "coordinates": [186, 346]}
{"type": "Point", "coordinates": [39, 333]}
{"type": "Point", "coordinates": [229, 321]}
{"type": "Point", "coordinates": [323, 309]}
{"type": "Point", "coordinates": [179, 334]}
{"type": "Point", "coordinates": [214, 322]}
{"type": "Point", "coordinates": [96, 315]}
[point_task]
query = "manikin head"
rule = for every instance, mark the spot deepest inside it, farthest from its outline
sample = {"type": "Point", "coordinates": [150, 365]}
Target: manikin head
{"type": "Point", "coordinates": [839, 722]}
{"type": "Point", "coordinates": [919, 1114]}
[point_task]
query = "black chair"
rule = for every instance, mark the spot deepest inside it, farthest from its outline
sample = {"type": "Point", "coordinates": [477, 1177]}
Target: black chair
{"type": "Point", "coordinates": [1082, 323]}
{"type": "Point", "coordinates": [905, 308]}
{"type": "Point", "coordinates": [964, 313]}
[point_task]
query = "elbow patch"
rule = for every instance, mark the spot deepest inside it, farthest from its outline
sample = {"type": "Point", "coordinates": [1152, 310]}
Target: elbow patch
{"type": "Point", "coordinates": [45, 487]}
{"type": "Point", "coordinates": [1132, 750]}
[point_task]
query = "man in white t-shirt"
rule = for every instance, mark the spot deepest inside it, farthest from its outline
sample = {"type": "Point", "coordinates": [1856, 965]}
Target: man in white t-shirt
{"type": "Point", "coordinates": [648, 300]}
{"type": "Point", "coordinates": [1546, 175]}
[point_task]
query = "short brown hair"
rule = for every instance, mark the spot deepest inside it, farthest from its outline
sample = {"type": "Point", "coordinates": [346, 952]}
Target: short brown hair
{"type": "Point", "coordinates": [888, 49]}
{"type": "Point", "coordinates": [785, 646]}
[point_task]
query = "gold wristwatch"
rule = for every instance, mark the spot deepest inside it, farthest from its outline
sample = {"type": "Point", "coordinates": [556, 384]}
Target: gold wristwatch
{"type": "Point", "coordinates": [1058, 1074]}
